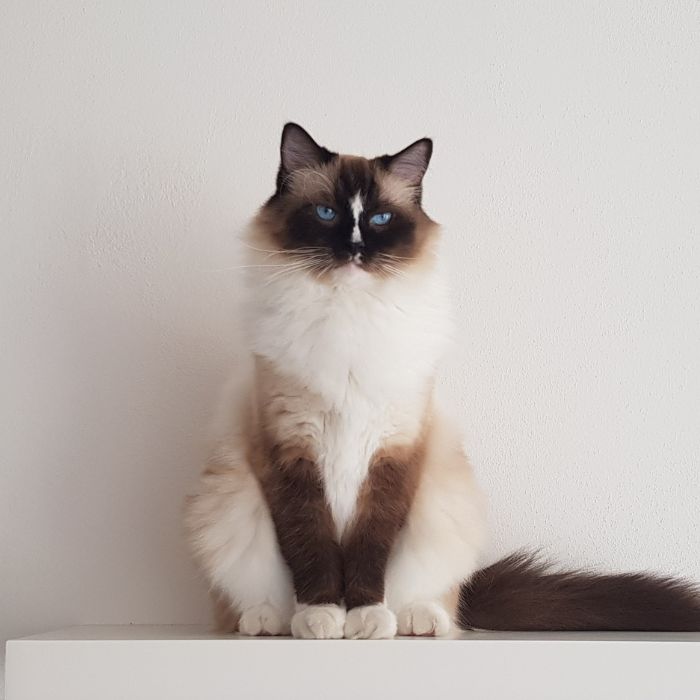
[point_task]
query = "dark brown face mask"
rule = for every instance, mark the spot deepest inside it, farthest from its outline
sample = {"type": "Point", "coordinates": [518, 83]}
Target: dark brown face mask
{"type": "Point", "coordinates": [341, 210]}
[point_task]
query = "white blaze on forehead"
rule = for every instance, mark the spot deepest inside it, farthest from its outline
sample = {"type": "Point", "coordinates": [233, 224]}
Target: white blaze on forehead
{"type": "Point", "coordinates": [356, 207]}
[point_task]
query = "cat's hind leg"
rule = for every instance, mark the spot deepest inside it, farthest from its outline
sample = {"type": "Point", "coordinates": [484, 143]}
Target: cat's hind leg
{"type": "Point", "coordinates": [234, 540]}
{"type": "Point", "coordinates": [438, 547]}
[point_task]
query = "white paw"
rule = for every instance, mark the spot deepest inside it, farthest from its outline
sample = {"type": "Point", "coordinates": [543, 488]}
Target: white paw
{"type": "Point", "coordinates": [370, 622]}
{"type": "Point", "coordinates": [263, 619]}
{"type": "Point", "coordinates": [318, 622]}
{"type": "Point", "coordinates": [424, 619]}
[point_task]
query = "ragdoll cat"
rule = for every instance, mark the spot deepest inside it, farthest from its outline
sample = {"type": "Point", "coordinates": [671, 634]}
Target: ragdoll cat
{"type": "Point", "coordinates": [338, 501]}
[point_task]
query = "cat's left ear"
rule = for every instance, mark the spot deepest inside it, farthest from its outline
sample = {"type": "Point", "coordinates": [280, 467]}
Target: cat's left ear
{"type": "Point", "coordinates": [411, 163]}
{"type": "Point", "coordinates": [298, 150]}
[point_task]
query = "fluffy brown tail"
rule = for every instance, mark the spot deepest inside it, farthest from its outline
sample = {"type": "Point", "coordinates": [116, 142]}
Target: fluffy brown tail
{"type": "Point", "coordinates": [522, 592]}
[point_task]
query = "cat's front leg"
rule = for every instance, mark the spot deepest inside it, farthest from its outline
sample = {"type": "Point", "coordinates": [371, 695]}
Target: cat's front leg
{"type": "Point", "coordinates": [381, 512]}
{"type": "Point", "coordinates": [306, 536]}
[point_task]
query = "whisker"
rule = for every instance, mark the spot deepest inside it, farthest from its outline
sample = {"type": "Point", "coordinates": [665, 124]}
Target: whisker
{"type": "Point", "coordinates": [262, 250]}
{"type": "Point", "coordinates": [281, 251]}
{"type": "Point", "coordinates": [325, 268]}
{"type": "Point", "coordinates": [392, 270]}
{"type": "Point", "coordinates": [391, 256]}
{"type": "Point", "coordinates": [268, 265]}
{"type": "Point", "coordinates": [247, 267]}
{"type": "Point", "coordinates": [280, 274]}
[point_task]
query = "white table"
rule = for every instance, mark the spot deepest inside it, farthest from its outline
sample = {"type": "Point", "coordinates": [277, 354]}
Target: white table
{"type": "Point", "coordinates": [171, 662]}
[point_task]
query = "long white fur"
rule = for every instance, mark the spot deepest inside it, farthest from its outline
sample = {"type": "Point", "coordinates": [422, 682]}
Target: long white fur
{"type": "Point", "coordinates": [367, 350]}
{"type": "Point", "coordinates": [366, 355]}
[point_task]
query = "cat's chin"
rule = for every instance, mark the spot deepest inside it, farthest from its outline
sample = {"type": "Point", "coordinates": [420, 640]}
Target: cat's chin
{"type": "Point", "coordinates": [352, 275]}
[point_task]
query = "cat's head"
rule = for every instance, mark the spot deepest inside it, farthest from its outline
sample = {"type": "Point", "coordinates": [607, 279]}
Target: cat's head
{"type": "Point", "coordinates": [345, 218]}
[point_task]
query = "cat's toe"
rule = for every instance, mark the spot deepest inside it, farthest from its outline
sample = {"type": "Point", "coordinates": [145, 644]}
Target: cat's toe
{"type": "Point", "coordinates": [318, 622]}
{"type": "Point", "coordinates": [263, 619]}
{"type": "Point", "coordinates": [425, 619]}
{"type": "Point", "coordinates": [370, 622]}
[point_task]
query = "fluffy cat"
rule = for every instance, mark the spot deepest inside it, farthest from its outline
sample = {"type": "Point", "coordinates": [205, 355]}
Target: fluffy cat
{"type": "Point", "coordinates": [338, 500]}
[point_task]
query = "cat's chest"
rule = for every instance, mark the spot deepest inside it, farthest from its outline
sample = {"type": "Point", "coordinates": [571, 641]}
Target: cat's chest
{"type": "Point", "coordinates": [358, 370]}
{"type": "Point", "coordinates": [347, 441]}
{"type": "Point", "coordinates": [344, 449]}
{"type": "Point", "coordinates": [342, 438]}
{"type": "Point", "coordinates": [340, 345]}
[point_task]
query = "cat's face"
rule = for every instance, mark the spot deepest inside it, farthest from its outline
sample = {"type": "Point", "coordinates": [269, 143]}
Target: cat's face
{"type": "Point", "coordinates": [343, 217]}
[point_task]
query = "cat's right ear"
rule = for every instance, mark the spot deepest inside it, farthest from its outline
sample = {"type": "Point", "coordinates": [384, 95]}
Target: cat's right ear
{"type": "Point", "coordinates": [411, 163]}
{"type": "Point", "coordinates": [298, 150]}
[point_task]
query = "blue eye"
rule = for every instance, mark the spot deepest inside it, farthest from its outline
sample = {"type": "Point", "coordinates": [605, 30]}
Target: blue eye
{"type": "Point", "coordinates": [325, 213]}
{"type": "Point", "coordinates": [381, 219]}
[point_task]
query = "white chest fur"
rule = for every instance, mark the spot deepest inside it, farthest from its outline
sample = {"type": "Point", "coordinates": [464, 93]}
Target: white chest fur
{"type": "Point", "coordinates": [364, 357]}
{"type": "Point", "coordinates": [344, 449]}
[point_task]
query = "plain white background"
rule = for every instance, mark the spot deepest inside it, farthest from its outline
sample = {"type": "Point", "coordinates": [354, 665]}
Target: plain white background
{"type": "Point", "coordinates": [137, 138]}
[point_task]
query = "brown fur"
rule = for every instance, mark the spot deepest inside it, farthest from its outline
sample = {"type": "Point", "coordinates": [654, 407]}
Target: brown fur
{"type": "Point", "coordinates": [305, 531]}
{"type": "Point", "coordinates": [323, 569]}
{"type": "Point", "coordinates": [329, 183]}
{"type": "Point", "coordinates": [383, 507]}
{"type": "Point", "coordinates": [291, 483]}
{"type": "Point", "coordinates": [522, 592]}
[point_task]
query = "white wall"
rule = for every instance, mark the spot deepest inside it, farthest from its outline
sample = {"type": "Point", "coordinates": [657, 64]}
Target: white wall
{"type": "Point", "coordinates": [137, 138]}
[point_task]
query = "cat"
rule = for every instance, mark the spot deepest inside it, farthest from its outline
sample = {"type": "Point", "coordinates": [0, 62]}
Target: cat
{"type": "Point", "coordinates": [338, 500]}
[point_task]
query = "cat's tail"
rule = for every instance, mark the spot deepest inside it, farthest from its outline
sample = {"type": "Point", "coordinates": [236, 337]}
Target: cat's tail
{"type": "Point", "coordinates": [523, 592]}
